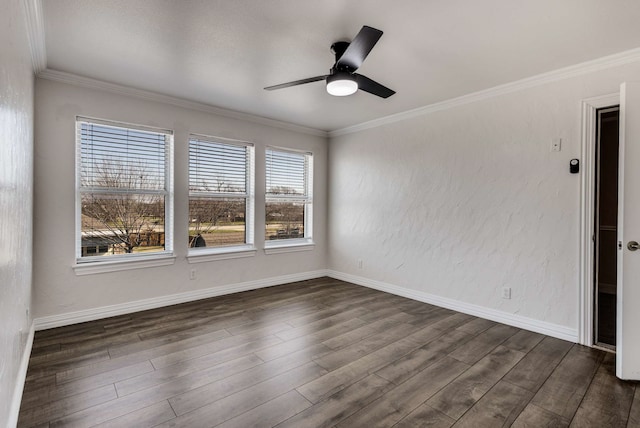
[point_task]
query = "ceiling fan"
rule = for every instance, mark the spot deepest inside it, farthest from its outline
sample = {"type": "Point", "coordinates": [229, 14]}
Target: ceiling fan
{"type": "Point", "coordinates": [342, 79]}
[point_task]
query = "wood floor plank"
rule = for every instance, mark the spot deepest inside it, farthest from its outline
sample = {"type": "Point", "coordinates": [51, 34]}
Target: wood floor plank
{"type": "Point", "coordinates": [303, 342]}
{"type": "Point", "coordinates": [475, 349]}
{"type": "Point", "coordinates": [132, 348]}
{"type": "Point", "coordinates": [462, 393]}
{"type": "Point", "coordinates": [476, 326]}
{"type": "Point", "coordinates": [270, 413]}
{"type": "Point", "coordinates": [201, 369]}
{"type": "Point", "coordinates": [430, 317]}
{"type": "Point", "coordinates": [401, 400]}
{"type": "Point", "coordinates": [341, 405]}
{"type": "Point", "coordinates": [40, 396]}
{"type": "Point", "coordinates": [143, 418]}
{"type": "Point", "coordinates": [383, 312]}
{"type": "Point", "coordinates": [455, 320]}
{"type": "Point", "coordinates": [83, 360]}
{"type": "Point", "coordinates": [195, 398]}
{"type": "Point", "coordinates": [181, 354]}
{"type": "Point", "coordinates": [534, 417]}
{"type": "Point", "coordinates": [608, 401]}
{"type": "Point", "coordinates": [147, 397]}
{"type": "Point", "coordinates": [565, 388]}
{"type": "Point", "coordinates": [356, 335]}
{"type": "Point", "coordinates": [263, 327]}
{"type": "Point", "coordinates": [634, 413]}
{"type": "Point", "coordinates": [401, 369]}
{"type": "Point", "coordinates": [66, 406]}
{"type": "Point", "coordinates": [186, 328]}
{"type": "Point", "coordinates": [86, 346]}
{"type": "Point", "coordinates": [523, 341]}
{"type": "Point", "coordinates": [534, 369]}
{"type": "Point", "coordinates": [498, 408]}
{"type": "Point", "coordinates": [307, 344]}
{"type": "Point", "coordinates": [344, 376]}
{"type": "Point", "coordinates": [321, 324]}
{"type": "Point", "coordinates": [425, 417]}
{"type": "Point", "coordinates": [366, 346]}
{"type": "Point", "coordinates": [166, 355]}
{"type": "Point", "coordinates": [244, 400]}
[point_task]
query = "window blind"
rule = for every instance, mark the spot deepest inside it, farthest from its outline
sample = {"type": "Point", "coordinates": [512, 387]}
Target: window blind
{"type": "Point", "coordinates": [216, 167]}
{"type": "Point", "coordinates": [286, 173]}
{"type": "Point", "coordinates": [114, 158]}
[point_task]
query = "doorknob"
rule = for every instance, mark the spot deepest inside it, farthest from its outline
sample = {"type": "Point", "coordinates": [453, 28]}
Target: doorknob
{"type": "Point", "coordinates": [633, 246]}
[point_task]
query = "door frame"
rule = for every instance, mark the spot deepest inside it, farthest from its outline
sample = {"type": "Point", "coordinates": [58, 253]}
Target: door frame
{"type": "Point", "coordinates": [587, 214]}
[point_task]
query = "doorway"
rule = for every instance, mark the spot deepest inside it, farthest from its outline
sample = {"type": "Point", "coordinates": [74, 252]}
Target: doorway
{"type": "Point", "coordinates": [605, 230]}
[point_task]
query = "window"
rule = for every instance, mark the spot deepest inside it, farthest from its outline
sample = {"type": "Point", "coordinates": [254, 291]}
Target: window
{"type": "Point", "coordinates": [221, 197]}
{"type": "Point", "coordinates": [124, 191]}
{"type": "Point", "coordinates": [288, 197]}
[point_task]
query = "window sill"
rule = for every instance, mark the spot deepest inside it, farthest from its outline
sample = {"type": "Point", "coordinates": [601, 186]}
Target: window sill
{"type": "Point", "coordinates": [290, 247]}
{"type": "Point", "coordinates": [89, 268]}
{"type": "Point", "coordinates": [210, 255]}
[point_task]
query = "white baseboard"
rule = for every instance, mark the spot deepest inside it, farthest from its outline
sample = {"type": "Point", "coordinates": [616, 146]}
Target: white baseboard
{"type": "Point", "coordinates": [53, 321]}
{"type": "Point", "coordinates": [20, 380]}
{"type": "Point", "coordinates": [549, 329]}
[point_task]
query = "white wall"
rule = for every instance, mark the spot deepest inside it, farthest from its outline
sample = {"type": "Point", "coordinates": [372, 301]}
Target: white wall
{"type": "Point", "coordinates": [460, 203]}
{"type": "Point", "coordinates": [57, 289]}
{"type": "Point", "coordinates": [16, 184]}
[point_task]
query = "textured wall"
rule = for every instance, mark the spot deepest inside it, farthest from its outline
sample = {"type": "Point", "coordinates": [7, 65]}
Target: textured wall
{"type": "Point", "coordinates": [463, 202]}
{"type": "Point", "coordinates": [16, 182]}
{"type": "Point", "coordinates": [57, 290]}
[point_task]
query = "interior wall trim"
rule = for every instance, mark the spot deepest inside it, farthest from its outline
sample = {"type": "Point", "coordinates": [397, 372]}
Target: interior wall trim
{"type": "Point", "coordinates": [587, 67]}
{"type": "Point", "coordinates": [549, 329]}
{"type": "Point", "coordinates": [87, 82]}
{"type": "Point", "coordinates": [44, 323]}
{"type": "Point", "coordinates": [34, 19]}
{"type": "Point", "coordinates": [21, 379]}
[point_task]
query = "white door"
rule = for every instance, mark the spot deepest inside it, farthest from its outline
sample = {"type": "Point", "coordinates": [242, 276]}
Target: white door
{"type": "Point", "coordinates": [628, 317]}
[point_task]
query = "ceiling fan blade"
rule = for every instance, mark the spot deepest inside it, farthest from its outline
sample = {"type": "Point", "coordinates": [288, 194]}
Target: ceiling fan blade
{"type": "Point", "coordinates": [359, 48]}
{"type": "Point", "coordinates": [296, 83]}
{"type": "Point", "coordinates": [372, 86]}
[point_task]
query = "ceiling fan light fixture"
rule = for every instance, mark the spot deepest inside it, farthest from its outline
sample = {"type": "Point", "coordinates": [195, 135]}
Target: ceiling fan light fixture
{"type": "Point", "coordinates": [341, 84]}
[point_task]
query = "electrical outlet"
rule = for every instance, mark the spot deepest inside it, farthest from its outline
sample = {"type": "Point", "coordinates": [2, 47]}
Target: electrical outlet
{"type": "Point", "coordinates": [360, 264]}
{"type": "Point", "coordinates": [506, 293]}
{"type": "Point", "coordinates": [192, 274]}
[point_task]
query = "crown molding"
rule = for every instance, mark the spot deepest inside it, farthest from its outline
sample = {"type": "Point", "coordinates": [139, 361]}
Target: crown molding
{"type": "Point", "coordinates": [87, 82]}
{"type": "Point", "coordinates": [34, 19]}
{"type": "Point", "coordinates": [599, 64]}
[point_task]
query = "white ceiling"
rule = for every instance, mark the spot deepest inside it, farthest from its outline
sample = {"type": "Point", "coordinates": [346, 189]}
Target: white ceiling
{"type": "Point", "coordinates": [223, 52]}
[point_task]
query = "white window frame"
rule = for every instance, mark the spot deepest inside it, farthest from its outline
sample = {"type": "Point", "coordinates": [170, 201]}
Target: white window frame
{"type": "Point", "coordinates": [294, 244]}
{"type": "Point", "coordinates": [117, 262]}
{"type": "Point", "coordinates": [206, 254]}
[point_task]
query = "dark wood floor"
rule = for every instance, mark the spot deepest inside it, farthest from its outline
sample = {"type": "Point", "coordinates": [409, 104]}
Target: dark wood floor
{"type": "Point", "coordinates": [317, 353]}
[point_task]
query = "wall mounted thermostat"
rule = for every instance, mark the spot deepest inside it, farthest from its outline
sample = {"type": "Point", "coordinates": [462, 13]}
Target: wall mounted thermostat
{"type": "Point", "coordinates": [574, 166]}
